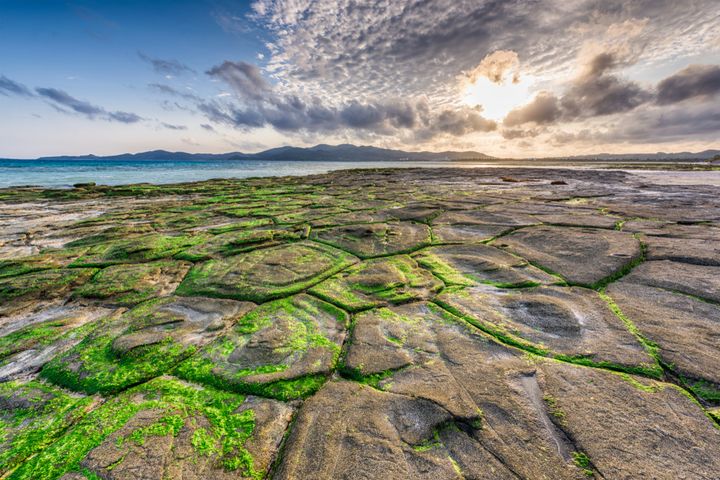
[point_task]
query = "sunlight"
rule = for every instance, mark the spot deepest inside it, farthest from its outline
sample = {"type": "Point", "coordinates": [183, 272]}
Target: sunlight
{"type": "Point", "coordinates": [497, 99]}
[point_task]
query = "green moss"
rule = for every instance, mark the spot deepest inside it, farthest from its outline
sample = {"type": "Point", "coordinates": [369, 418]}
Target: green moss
{"type": "Point", "coordinates": [94, 366]}
{"type": "Point", "coordinates": [139, 249]}
{"type": "Point", "coordinates": [299, 320]}
{"type": "Point", "coordinates": [41, 414]}
{"type": "Point", "coordinates": [224, 438]}
{"type": "Point", "coordinates": [129, 284]}
{"type": "Point", "coordinates": [46, 283]}
{"type": "Point", "coordinates": [582, 461]}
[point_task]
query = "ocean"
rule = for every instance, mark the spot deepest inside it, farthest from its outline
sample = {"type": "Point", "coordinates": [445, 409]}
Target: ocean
{"type": "Point", "coordinates": [65, 173]}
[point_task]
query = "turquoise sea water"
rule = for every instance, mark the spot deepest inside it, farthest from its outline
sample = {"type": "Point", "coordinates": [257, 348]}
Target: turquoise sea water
{"type": "Point", "coordinates": [64, 173]}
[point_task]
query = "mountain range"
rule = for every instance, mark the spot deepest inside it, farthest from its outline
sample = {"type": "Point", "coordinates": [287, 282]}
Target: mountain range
{"type": "Point", "coordinates": [354, 153]}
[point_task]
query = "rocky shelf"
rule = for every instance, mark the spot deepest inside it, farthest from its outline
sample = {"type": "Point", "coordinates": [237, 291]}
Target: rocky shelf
{"type": "Point", "coordinates": [390, 324]}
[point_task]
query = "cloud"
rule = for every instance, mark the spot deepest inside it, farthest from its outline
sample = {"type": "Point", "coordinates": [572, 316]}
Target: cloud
{"type": "Point", "coordinates": [691, 82]}
{"type": "Point", "coordinates": [61, 100]}
{"type": "Point", "coordinates": [496, 66]}
{"type": "Point", "coordinates": [207, 127]}
{"type": "Point", "coordinates": [166, 67]}
{"type": "Point", "coordinates": [9, 87]}
{"type": "Point", "coordinates": [543, 110]}
{"type": "Point", "coordinates": [244, 78]}
{"type": "Point", "coordinates": [170, 126]}
{"type": "Point", "coordinates": [168, 90]}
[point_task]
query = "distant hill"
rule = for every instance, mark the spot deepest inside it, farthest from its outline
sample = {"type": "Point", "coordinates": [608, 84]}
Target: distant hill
{"type": "Point", "coordinates": [659, 156]}
{"type": "Point", "coordinates": [341, 153]}
{"type": "Point", "coordinates": [354, 153]}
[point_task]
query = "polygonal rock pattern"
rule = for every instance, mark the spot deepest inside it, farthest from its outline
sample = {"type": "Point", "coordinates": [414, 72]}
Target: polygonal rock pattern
{"type": "Point", "coordinates": [476, 225]}
{"type": "Point", "coordinates": [143, 343]}
{"type": "Point", "coordinates": [261, 275]}
{"type": "Point", "coordinates": [27, 342]}
{"type": "Point", "coordinates": [376, 239]}
{"type": "Point", "coordinates": [701, 281]}
{"type": "Point", "coordinates": [583, 256]}
{"type": "Point", "coordinates": [17, 291]}
{"type": "Point", "coordinates": [479, 263]}
{"type": "Point", "coordinates": [281, 349]}
{"type": "Point", "coordinates": [378, 282]}
{"type": "Point", "coordinates": [138, 249]}
{"type": "Point", "coordinates": [128, 284]}
{"type": "Point", "coordinates": [167, 429]}
{"type": "Point", "coordinates": [683, 329]}
{"type": "Point", "coordinates": [467, 354]}
{"type": "Point", "coordinates": [234, 242]}
{"type": "Point", "coordinates": [448, 397]}
{"type": "Point", "coordinates": [571, 322]}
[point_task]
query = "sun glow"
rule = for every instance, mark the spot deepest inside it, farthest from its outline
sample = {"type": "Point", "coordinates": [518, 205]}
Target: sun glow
{"type": "Point", "coordinates": [497, 99]}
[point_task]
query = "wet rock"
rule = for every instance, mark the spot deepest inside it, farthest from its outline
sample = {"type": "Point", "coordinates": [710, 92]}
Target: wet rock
{"type": "Point", "coordinates": [476, 225]}
{"type": "Point", "coordinates": [281, 349]}
{"type": "Point", "coordinates": [140, 249]}
{"type": "Point", "coordinates": [697, 280]}
{"type": "Point", "coordinates": [19, 291]}
{"type": "Point", "coordinates": [129, 284]}
{"type": "Point", "coordinates": [684, 250]}
{"type": "Point", "coordinates": [143, 343]}
{"type": "Point", "coordinates": [169, 429]}
{"type": "Point", "coordinates": [473, 264]}
{"type": "Point", "coordinates": [32, 416]}
{"type": "Point", "coordinates": [683, 329]}
{"type": "Point", "coordinates": [572, 323]}
{"type": "Point", "coordinates": [28, 342]}
{"type": "Point", "coordinates": [376, 239]}
{"type": "Point", "coordinates": [268, 273]}
{"type": "Point", "coordinates": [378, 282]}
{"type": "Point", "coordinates": [582, 256]}
{"type": "Point", "coordinates": [235, 242]}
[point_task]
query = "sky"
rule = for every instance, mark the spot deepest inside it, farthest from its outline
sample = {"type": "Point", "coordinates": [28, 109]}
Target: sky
{"type": "Point", "coordinates": [508, 78]}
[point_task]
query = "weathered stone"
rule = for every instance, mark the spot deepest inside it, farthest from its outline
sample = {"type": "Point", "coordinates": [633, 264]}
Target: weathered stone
{"type": "Point", "coordinates": [235, 242]}
{"type": "Point", "coordinates": [478, 263]}
{"type": "Point", "coordinates": [571, 323]}
{"type": "Point", "coordinates": [582, 256]}
{"type": "Point", "coordinates": [684, 250]}
{"type": "Point", "coordinates": [684, 329]}
{"type": "Point", "coordinates": [268, 273]}
{"type": "Point", "coordinates": [129, 284]}
{"type": "Point", "coordinates": [16, 292]}
{"type": "Point", "coordinates": [376, 239]}
{"type": "Point", "coordinates": [143, 343]}
{"type": "Point", "coordinates": [169, 429]}
{"type": "Point", "coordinates": [139, 249]}
{"type": "Point", "coordinates": [698, 280]}
{"type": "Point", "coordinates": [475, 225]}
{"type": "Point", "coordinates": [27, 343]}
{"type": "Point", "coordinates": [280, 349]}
{"type": "Point", "coordinates": [378, 282]}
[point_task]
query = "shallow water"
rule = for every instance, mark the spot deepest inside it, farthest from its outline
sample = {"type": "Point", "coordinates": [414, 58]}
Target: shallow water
{"type": "Point", "coordinates": [64, 173]}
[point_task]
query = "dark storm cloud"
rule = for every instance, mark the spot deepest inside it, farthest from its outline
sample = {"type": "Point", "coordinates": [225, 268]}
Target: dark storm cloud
{"type": "Point", "coordinates": [166, 67]}
{"type": "Point", "coordinates": [9, 87]}
{"type": "Point", "coordinates": [61, 101]}
{"type": "Point", "coordinates": [691, 82]}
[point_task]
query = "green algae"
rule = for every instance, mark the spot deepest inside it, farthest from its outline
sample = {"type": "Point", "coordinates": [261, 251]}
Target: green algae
{"type": "Point", "coordinates": [180, 403]}
{"type": "Point", "coordinates": [135, 250]}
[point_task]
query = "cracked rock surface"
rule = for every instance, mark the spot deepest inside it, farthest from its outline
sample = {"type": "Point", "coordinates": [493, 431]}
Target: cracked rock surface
{"type": "Point", "coordinates": [501, 323]}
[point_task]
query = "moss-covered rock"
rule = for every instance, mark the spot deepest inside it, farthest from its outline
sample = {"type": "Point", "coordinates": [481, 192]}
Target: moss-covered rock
{"type": "Point", "coordinates": [144, 343]}
{"type": "Point", "coordinates": [135, 250]}
{"type": "Point", "coordinates": [129, 284]}
{"type": "Point", "coordinates": [166, 429]}
{"type": "Point", "coordinates": [378, 282]}
{"type": "Point", "coordinates": [261, 275]}
{"type": "Point", "coordinates": [376, 239]}
{"type": "Point", "coordinates": [283, 349]}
